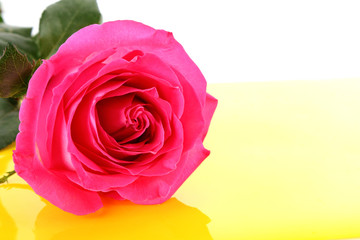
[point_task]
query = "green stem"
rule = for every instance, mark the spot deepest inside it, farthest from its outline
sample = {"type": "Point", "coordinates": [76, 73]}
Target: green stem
{"type": "Point", "coordinates": [6, 176]}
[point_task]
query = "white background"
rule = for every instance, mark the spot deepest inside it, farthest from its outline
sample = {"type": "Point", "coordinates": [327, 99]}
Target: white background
{"type": "Point", "coordinates": [242, 40]}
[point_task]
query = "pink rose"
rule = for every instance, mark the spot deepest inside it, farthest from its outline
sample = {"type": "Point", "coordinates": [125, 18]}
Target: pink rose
{"type": "Point", "coordinates": [119, 111]}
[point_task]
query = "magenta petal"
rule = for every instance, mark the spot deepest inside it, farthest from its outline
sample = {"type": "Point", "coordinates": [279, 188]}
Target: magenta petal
{"type": "Point", "coordinates": [169, 156]}
{"type": "Point", "coordinates": [154, 190]}
{"type": "Point", "coordinates": [29, 111]}
{"type": "Point", "coordinates": [111, 116]}
{"type": "Point", "coordinates": [99, 182]}
{"type": "Point", "coordinates": [118, 33]}
{"type": "Point", "coordinates": [135, 35]}
{"type": "Point", "coordinates": [112, 194]}
{"type": "Point", "coordinates": [65, 195]}
{"type": "Point", "coordinates": [192, 118]}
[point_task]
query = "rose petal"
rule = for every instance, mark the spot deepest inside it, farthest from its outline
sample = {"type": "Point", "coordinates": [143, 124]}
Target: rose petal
{"type": "Point", "coordinates": [113, 34]}
{"type": "Point", "coordinates": [99, 182]}
{"type": "Point", "coordinates": [155, 190]}
{"type": "Point", "coordinates": [208, 112]}
{"type": "Point", "coordinates": [192, 118]}
{"type": "Point", "coordinates": [65, 195]}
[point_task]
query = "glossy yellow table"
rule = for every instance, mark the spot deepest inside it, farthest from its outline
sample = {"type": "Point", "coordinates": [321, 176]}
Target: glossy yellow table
{"type": "Point", "coordinates": [285, 165]}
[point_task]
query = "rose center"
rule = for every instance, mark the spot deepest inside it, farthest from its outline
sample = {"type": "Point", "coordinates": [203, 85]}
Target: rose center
{"type": "Point", "coordinates": [124, 118]}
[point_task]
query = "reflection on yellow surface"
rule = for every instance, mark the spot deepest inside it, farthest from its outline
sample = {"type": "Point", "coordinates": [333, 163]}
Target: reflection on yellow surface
{"type": "Point", "coordinates": [27, 216]}
{"type": "Point", "coordinates": [125, 220]}
{"type": "Point", "coordinates": [117, 220]}
{"type": "Point", "coordinates": [7, 224]}
{"type": "Point", "coordinates": [284, 165]}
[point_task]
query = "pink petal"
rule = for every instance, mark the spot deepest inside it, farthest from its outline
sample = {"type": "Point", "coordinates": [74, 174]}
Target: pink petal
{"type": "Point", "coordinates": [154, 190]}
{"type": "Point", "coordinates": [65, 195]}
{"type": "Point", "coordinates": [208, 112]}
{"type": "Point", "coordinates": [99, 182]}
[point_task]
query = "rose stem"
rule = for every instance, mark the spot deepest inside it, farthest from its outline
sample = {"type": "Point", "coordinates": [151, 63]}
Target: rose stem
{"type": "Point", "coordinates": [5, 177]}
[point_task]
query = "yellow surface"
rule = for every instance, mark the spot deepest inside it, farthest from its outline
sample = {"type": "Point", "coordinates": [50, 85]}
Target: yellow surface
{"type": "Point", "coordinates": [285, 165]}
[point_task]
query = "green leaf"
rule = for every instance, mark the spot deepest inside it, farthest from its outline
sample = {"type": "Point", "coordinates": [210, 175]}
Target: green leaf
{"type": "Point", "coordinates": [15, 72]}
{"type": "Point", "coordinates": [1, 18]}
{"type": "Point", "coordinates": [9, 122]}
{"type": "Point", "coordinates": [24, 44]}
{"type": "Point", "coordinates": [23, 31]}
{"type": "Point", "coordinates": [62, 19]}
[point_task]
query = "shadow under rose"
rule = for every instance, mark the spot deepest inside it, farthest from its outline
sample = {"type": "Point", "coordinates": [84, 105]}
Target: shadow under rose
{"type": "Point", "coordinates": [125, 220]}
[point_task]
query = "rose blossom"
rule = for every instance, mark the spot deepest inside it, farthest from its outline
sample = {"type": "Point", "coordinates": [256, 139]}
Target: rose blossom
{"type": "Point", "coordinates": [119, 111]}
